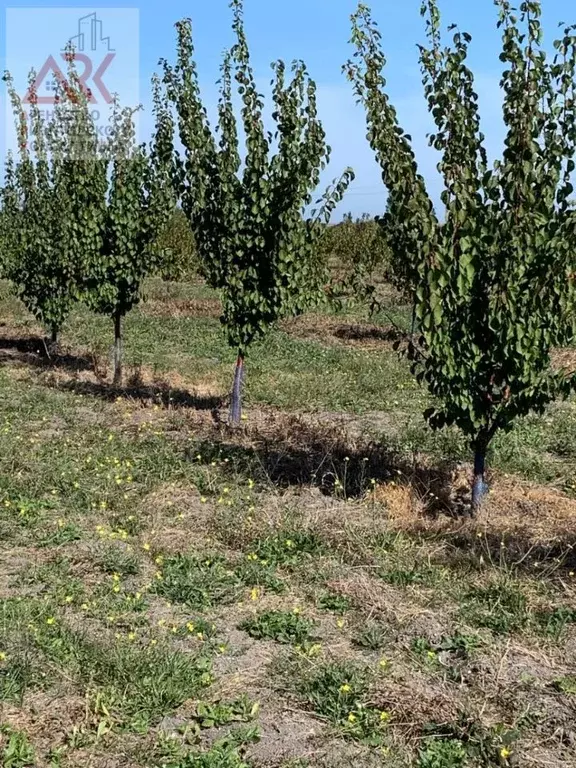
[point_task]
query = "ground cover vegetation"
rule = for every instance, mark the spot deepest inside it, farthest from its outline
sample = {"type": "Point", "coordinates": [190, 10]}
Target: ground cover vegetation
{"type": "Point", "coordinates": [301, 585]}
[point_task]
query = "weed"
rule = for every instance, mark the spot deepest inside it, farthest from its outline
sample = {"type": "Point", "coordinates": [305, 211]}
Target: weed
{"type": "Point", "coordinates": [115, 559]}
{"type": "Point", "coordinates": [459, 645]}
{"type": "Point", "coordinates": [141, 684]}
{"type": "Point", "coordinates": [336, 689]}
{"type": "Point", "coordinates": [253, 573]}
{"type": "Point", "coordinates": [423, 575]}
{"type": "Point", "coordinates": [199, 583]}
{"type": "Point", "coordinates": [366, 725]}
{"type": "Point", "coordinates": [500, 606]}
{"type": "Point", "coordinates": [224, 753]}
{"type": "Point", "coordinates": [465, 742]}
{"type": "Point", "coordinates": [566, 685]}
{"type": "Point", "coordinates": [63, 533]}
{"type": "Point", "coordinates": [372, 637]}
{"type": "Point", "coordinates": [218, 756]}
{"type": "Point", "coordinates": [333, 601]}
{"type": "Point", "coordinates": [442, 753]}
{"type": "Point", "coordinates": [289, 548]}
{"type": "Point", "coordinates": [17, 674]}
{"type": "Point", "coordinates": [553, 623]}
{"type": "Point", "coordinates": [18, 752]}
{"type": "Point", "coordinates": [280, 626]}
{"type": "Point", "coordinates": [217, 714]}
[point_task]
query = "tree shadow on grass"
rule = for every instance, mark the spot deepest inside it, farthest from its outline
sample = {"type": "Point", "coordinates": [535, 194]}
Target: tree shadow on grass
{"type": "Point", "coordinates": [288, 451]}
{"type": "Point", "coordinates": [158, 393]}
{"type": "Point", "coordinates": [33, 351]}
{"type": "Point", "coordinates": [351, 332]}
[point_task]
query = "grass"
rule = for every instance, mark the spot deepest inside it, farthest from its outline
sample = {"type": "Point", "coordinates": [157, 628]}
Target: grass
{"type": "Point", "coordinates": [175, 594]}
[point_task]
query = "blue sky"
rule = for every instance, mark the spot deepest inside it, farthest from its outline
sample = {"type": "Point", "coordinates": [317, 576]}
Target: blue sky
{"type": "Point", "coordinates": [318, 32]}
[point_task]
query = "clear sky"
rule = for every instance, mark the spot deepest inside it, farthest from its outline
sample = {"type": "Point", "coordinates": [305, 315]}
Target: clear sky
{"type": "Point", "coordinates": [318, 32]}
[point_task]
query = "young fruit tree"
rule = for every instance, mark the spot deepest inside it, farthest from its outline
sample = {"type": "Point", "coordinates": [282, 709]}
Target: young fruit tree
{"type": "Point", "coordinates": [138, 203]}
{"type": "Point", "coordinates": [256, 244]}
{"type": "Point", "coordinates": [53, 200]}
{"type": "Point", "coordinates": [492, 280]}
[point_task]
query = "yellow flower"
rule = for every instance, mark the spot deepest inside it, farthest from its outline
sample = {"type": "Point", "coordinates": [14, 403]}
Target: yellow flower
{"type": "Point", "coordinates": [384, 717]}
{"type": "Point", "coordinates": [296, 610]}
{"type": "Point", "coordinates": [222, 648]}
{"type": "Point", "coordinates": [345, 688]}
{"type": "Point", "coordinates": [68, 599]}
{"type": "Point", "coordinates": [250, 483]}
{"type": "Point", "coordinates": [162, 623]}
{"type": "Point", "coordinates": [252, 556]}
{"type": "Point", "coordinates": [340, 623]}
{"type": "Point", "coordinates": [2, 656]}
{"type": "Point", "coordinates": [116, 588]}
{"type": "Point", "coordinates": [431, 655]}
{"type": "Point", "coordinates": [203, 499]}
{"type": "Point", "coordinates": [190, 626]}
{"type": "Point", "coordinates": [50, 620]}
{"type": "Point", "coordinates": [146, 547]}
{"type": "Point", "coordinates": [254, 593]}
{"type": "Point", "coordinates": [131, 636]}
{"type": "Point", "coordinates": [351, 717]}
{"type": "Point", "coordinates": [158, 575]}
{"type": "Point", "coordinates": [115, 577]}
{"type": "Point", "coordinates": [505, 753]}
{"type": "Point", "coordinates": [159, 560]}
{"type": "Point", "coordinates": [384, 663]}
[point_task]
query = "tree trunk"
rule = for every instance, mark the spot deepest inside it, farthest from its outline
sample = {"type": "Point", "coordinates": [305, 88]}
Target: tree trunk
{"type": "Point", "coordinates": [479, 485]}
{"type": "Point", "coordinates": [117, 350]}
{"type": "Point", "coordinates": [51, 346]}
{"type": "Point", "coordinates": [236, 399]}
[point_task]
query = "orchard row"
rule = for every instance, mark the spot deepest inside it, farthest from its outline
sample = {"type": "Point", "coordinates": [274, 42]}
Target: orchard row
{"type": "Point", "coordinates": [490, 277]}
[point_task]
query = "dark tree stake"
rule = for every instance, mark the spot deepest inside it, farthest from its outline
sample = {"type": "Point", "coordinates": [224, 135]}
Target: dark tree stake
{"type": "Point", "coordinates": [117, 350]}
{"type": "Point", "coordinates": [236, 398]}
